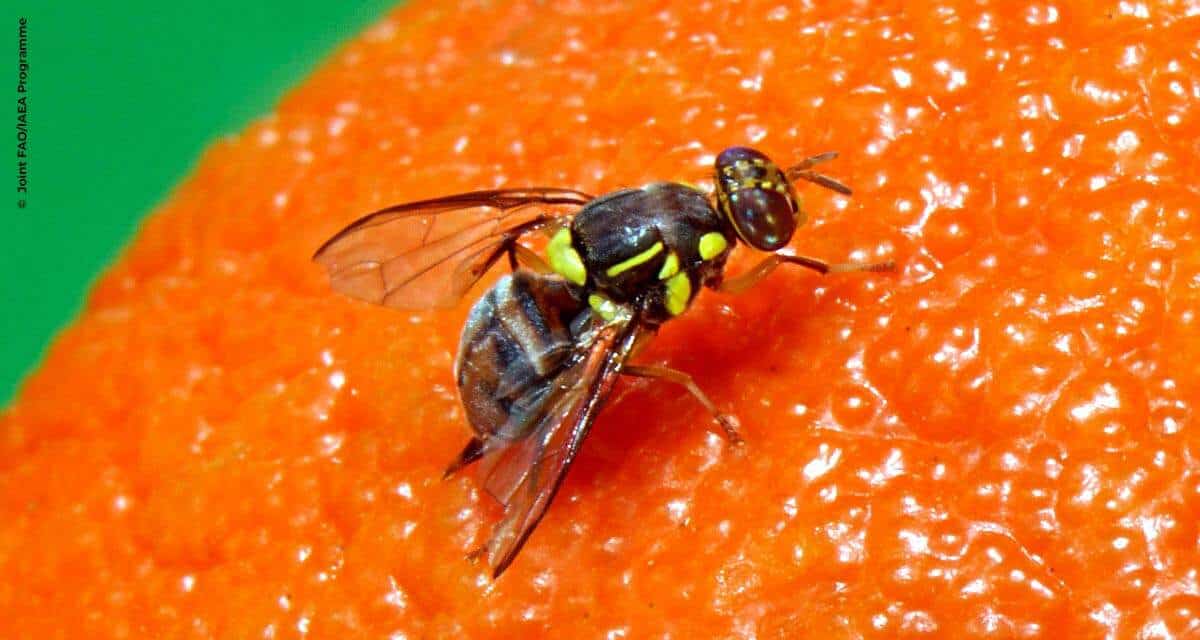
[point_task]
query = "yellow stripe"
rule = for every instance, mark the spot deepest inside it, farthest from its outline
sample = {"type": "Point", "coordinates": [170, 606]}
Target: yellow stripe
{"type": "Point", "coordinates": [564, 259]}
{"type": "Point", "coordinates": [640, 258]}
{"type": "Point", "coordinates": [670, 266]}
{"type": "Point", "coordinates": [712, 244]}
{"type": "Point", "coordinates": [679, 293]}
{"type": "Point", "coordinates": [603, 306]}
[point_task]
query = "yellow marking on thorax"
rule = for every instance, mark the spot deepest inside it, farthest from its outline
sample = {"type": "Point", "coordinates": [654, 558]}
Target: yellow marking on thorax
{"type": "Point", "coordinates": [679, 293]}
{"type": "Point", "coordinates": [564, 259]}
{"type": "Point", "coordinates": [603, 306]}
{"type": "Point", "coordinates": [670, 266]}
{"type": "Point", "coordinates": [641, 258]}
{"type": "Point", "coordinates": [712, 244]}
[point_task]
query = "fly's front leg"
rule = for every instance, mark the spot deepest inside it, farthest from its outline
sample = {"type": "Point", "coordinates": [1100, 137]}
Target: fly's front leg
{"type": "Point", "coordinates": [764, 268]}
{"type": "Point", "coordinates": [728, 422]}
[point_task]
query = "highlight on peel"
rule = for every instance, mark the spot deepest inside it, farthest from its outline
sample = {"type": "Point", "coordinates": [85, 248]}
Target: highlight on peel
{"type": "Point", "coordinates": [995, 442]}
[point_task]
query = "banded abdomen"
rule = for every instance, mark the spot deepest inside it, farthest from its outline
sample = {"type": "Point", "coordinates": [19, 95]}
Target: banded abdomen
{"type": "Point", "coordinates": [516, 338]}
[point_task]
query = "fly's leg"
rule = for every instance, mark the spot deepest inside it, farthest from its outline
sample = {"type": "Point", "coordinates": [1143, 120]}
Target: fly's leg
{"type": "Point", "coordinates": [728, 423]}
{"type": "Point", "coordinates": [520, 255]}
{"type": "Point", "coordinates": [764, 268]}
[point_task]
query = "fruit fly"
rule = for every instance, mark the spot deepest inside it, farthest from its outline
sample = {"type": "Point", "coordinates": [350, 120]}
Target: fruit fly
{"type": "Point", "coordinates": [542, 349]}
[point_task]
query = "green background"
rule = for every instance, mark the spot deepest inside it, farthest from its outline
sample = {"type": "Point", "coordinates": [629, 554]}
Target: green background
{"type": "Point", "coordinates": [122, 100]}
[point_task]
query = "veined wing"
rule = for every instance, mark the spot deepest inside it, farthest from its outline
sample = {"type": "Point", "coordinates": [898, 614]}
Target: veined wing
{"type": "Point", "coordinates": [524, 474]}
{"type": "Point", "coordinates": [429, 253]}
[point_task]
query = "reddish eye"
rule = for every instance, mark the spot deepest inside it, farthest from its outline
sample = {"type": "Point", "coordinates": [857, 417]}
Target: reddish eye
{"type": "Point", "coordinates": [756, 197]}
{"type": "Point", "coordinates": [764, 218]}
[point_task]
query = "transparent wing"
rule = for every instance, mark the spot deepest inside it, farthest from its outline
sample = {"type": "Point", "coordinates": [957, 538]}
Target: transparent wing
{"type": "Point", "coordinates": [429, 253]}
{"type": "Point", "coordinates": [524, 475]}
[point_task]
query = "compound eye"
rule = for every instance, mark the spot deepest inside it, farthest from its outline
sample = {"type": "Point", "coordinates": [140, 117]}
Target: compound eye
{"type": "Point", "coordinates": [757, 198]}
{"type": "Point", "coordinates": [764, 218]}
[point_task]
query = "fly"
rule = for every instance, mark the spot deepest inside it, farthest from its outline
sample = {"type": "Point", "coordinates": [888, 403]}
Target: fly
{"type": "Point", "coordinates": [542, 349]}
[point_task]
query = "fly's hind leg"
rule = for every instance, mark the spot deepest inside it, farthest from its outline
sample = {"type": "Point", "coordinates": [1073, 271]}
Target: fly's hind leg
{"type": "Point", "coordinates": [764, 268]}
{"type": "Point", "coordinates": [728, 422]}
{"type": "Point", "coordinates": [470, 453]}
{"type": "Point", "coordinates": [520, 255]}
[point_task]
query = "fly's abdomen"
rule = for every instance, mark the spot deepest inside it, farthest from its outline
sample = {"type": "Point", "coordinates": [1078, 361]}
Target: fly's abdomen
{"type": "Point", "coordinates": [515, 338]}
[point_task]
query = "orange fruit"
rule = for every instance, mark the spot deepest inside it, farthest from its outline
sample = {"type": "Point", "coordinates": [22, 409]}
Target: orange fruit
{"type": "Point", "coordinates": [998, 441]}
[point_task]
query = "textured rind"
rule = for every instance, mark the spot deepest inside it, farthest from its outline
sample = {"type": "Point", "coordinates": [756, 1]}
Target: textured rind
{"type": "Point", "coordinates": [997, 442]}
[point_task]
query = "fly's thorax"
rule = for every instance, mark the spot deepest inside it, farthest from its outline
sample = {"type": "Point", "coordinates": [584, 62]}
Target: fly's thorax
{"type": "Point", "coordinates": [651, 247]}
{"type": "Point", "coordinates": [757, 198]}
